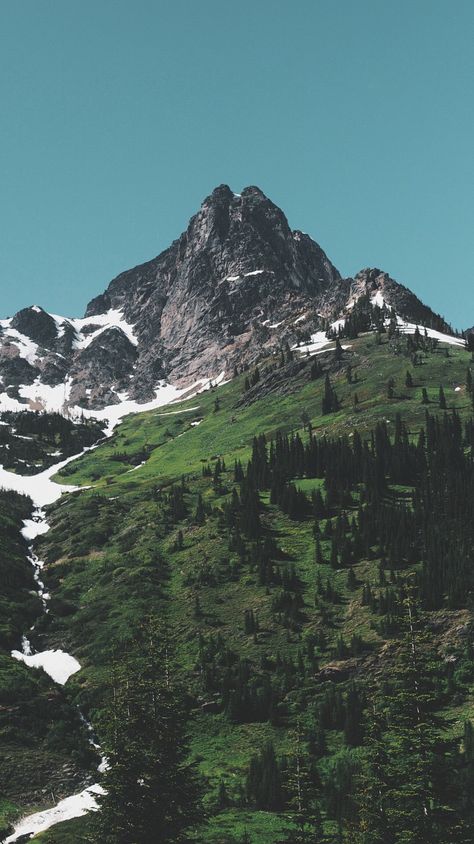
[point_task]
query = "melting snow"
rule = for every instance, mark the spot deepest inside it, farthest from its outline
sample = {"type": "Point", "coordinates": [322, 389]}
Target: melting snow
{"type": "Point", "coordinates": [70, 807]}
{"type": "Point", "coordinates": [26, 347]}
{"type": "Point", "coordinates": [378, 300]}
{"type": "Point", "coordinates": [317, 343]}
{"type": "Point", "coordinates": [58, 664]}
{"type": "Point", "coordinates": [410, 328]}
{"type": "Point", "coordinates": [36, 526]}
{"type": "Point", "coordinates": [112, 319]}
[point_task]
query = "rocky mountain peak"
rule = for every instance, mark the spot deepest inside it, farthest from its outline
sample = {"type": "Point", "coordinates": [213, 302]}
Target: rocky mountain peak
{"type": "Point", "coordinates": [237, 284]}
{"type": "Point", "coordinates": [37, 324]}
{"type": "Point", "coordinates": [206, 301]}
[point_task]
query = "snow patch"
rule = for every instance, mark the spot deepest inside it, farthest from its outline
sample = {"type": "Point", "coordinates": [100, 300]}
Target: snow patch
{"type": "Point", "coordinates": [27, 349]}
{"type": "Point", "coordinates": [317, 343]}
{"type": "Point", "coordinates": [410, 328]}
{"type": "Point", "coordinates": [71, 807]}
{"type": "Point", "coordinates": [58, 664]}
{"type": "Point", "coordinates": [112, 319]}
{"type": "Point", "coordinates": [36, 526]}
{"type": "Point", "coordinates": [378, 300]}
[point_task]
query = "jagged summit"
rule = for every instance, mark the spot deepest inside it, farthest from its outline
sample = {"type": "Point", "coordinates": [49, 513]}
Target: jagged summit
{"type": "Point", "coordinates": [236, 284]}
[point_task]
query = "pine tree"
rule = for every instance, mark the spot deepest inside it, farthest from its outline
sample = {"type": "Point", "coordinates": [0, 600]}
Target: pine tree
{"type": "Point", "coordinates": [200, 515]}
{"type": "Point", "coordinates": [330, 402]}
{"type": "Point", "coordinates": [301, 788]}
{"type": "Point", "coordinates": [151, 793]}
{"type": "Point", "coordinates": [371, 825]}
{"type": "Point", "coordinates": [469, 380]}
{"type": "Point", "coordinates": [442, 399]}
{"type": "Point", "coordinates": [412, 785]}
{"type": "Point", "coordinates": [263, 786]}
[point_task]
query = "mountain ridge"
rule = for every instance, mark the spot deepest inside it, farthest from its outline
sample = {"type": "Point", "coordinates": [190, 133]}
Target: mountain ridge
{"type": "Point", "coordinates": [236, 284]}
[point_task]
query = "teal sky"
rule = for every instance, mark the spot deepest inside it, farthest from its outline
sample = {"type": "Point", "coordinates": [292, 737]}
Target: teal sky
{"type": "Point", "coordinates": [118, 118]}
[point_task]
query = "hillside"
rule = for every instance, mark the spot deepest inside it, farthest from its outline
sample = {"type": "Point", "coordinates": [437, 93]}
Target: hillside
{"type": "Point", "coordinates": [237, 538]}
{"type": "Point", "coordinates": [283, 583]}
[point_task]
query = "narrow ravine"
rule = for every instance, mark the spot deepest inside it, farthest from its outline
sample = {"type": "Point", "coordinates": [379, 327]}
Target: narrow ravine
{"type": "Point", "coordinates": [58, 664]}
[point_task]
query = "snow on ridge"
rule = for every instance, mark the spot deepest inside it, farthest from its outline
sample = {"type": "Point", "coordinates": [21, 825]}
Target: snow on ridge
{"type": "Point", "coordinates": [27, 348]}
{"type": "Point", "coordinates": [410, 327]}
{"type": "Point", "coordinates": [55, 399]}
{"type": "Point", "coordinates": [113, 318]}
{"type": "Point", "coordinates": [61, 323]}
{"type": "Point", "coordinates": [43, 490]}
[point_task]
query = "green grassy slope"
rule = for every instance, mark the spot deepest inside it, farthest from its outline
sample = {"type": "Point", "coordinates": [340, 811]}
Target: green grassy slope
{"type": "Point", "coordinates": [115, 552]}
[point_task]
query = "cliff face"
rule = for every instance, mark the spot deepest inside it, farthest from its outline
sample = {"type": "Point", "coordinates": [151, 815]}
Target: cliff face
{"type": "Point", "coordinates": [208, 300]}
{"type": "Point", "coordinates": [235, 285]}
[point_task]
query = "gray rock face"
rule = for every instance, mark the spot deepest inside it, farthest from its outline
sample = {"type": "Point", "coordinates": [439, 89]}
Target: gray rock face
{"type": "Point", "coordinates": [235, 285]}
{"type": "Point", "coordinates": [36, 324]}
{"type": "Point", "coordinates": [202, 305]}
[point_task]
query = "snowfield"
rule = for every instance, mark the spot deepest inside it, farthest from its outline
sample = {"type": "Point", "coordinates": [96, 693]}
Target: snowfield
{"type": "Point", "coordinates": [112, 319]}
{"type": "Point", "coordinates": [71, 807]}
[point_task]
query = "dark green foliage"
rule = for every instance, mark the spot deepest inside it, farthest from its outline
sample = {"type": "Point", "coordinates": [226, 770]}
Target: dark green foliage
{"type": "Point", "coordinates": [152, 792]}
{"type": "Point", "coordinates": [263, 785]}
{"type": "Point", "coordinates": [330, 402]}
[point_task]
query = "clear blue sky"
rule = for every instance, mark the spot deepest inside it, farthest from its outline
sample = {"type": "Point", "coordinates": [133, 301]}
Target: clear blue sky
{"type": "Point", "coordinates": [118, 118]}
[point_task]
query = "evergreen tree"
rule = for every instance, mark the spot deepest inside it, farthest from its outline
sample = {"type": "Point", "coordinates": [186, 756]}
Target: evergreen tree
{"type": "Point", "coordinates": [200, 515]}
{"type": "Point", "coordinates": [302, 794]}
{"type": "Point", "coordinates": [151, 792]}
{"type": "Point", "coordinates": [410, 770]}
{"type": "Point", "coordinates": [263, 786]}
{"type": "Point", "coordinates": [330, 401]}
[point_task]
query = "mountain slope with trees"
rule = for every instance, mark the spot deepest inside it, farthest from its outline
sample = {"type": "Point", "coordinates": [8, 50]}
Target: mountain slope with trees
{"type": "Point", "coordinates": [305, 536]}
